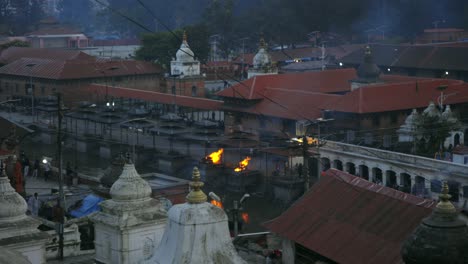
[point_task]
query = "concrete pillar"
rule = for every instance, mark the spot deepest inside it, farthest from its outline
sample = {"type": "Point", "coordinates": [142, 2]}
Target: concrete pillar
{"type": "Point", "coordinates": [289, 251]}
{"type": "Point", "coordinates": [105, 151]}
{"type": "Point", "coordinates": [398, 178]}
{"type": "Point", "coordinates": [384, 178]}
{"type": "Point", "coordinates": [427, 184]}
{"type": "Point", "coordinates": [81, 146]}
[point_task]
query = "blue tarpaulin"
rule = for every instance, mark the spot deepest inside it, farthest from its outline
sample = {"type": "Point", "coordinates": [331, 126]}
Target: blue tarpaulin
{"type": "Point", "coordinates": [90, 204]}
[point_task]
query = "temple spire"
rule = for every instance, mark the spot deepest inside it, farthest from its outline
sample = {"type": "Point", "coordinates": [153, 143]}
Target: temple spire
{"type": "Point", "coordinates": [196, 195]}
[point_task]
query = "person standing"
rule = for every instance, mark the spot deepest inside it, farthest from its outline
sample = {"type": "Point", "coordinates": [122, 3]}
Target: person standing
{"type": "Point", "coordinates": [35, 169]}
{"type": "Point", "coordinates": [19, 181]}
{"type": "Point", "coordinates": [34, 204]}
{"type": "Point", "coordinates": [46, 171]}
{"type": "Point", "coordinates": [26, 167]}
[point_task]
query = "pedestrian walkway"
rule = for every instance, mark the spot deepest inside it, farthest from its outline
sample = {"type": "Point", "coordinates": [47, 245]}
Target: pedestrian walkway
{"type": "Point", "coordinates": [39, 185]}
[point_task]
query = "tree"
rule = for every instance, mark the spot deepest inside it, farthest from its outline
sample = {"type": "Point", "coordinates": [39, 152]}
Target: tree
{"type": "Point", "coordinates": [432, 128]}
{"type": "Point", "coordinates": [76, 12]}
{"type": "Point", "coordinates": [161, 47]}
{"type": "Point", "coordinates": [14, 43]}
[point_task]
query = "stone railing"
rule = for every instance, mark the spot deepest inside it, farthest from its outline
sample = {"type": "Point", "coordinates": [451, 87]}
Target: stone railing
{"type": "Point", "coordinates": [446, 168]}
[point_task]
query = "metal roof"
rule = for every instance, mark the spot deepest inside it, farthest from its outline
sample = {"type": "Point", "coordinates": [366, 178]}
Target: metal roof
{"type": "Point", "coordinates": [350, 220]}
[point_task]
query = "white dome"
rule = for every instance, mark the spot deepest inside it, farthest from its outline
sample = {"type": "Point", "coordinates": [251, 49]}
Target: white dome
{"type": "Point", "coordinates": [185, 54]}
{"type": "Point", "coordinates": [12, 206]}
{"type": "Point", "coordinates": [431, 110]}
{"type": "Point", "coordinates": [130, 186]}
{"type": "Point", "coordinates": [262, 58]}
{"type": "Point", "coordinates": [448, 115]}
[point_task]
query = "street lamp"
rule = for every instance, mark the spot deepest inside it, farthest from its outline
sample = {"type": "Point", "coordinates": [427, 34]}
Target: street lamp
{"type": "Point", "coordinates": [30, 65]}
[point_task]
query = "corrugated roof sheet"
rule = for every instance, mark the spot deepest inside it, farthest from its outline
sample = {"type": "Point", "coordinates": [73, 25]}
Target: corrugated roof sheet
{"type": "Point", "coordinates": [310, 52]}
{"type": "Point", "coordinates": [350, 220]}
{"type": "Point", "coordinates": [434, 57]}
{"type": "Point", "coordinates": [150, 96]}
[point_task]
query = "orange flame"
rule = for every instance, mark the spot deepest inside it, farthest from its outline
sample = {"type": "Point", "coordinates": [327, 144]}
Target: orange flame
{"type": "Point", "coordinates": [243, 164]}
{"type": "Point", "coordinates": [245, 217]}
{"type": "Point", "coordinates": [215, 157]}
{"type": "Point", "coordinates": [310, 140]}
{"type": "Point", "coordinates": [217, 204]}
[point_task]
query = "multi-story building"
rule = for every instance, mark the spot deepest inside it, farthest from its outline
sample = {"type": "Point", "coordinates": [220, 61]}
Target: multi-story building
{"type": "Point", "coordinates": [34, 73]}
{"type": "Point", "coordinates": [366, 107]}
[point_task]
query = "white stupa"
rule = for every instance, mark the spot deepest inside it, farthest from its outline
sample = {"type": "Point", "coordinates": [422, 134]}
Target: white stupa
{"type": "Point", "coordinates": [262, 63]}
{"type": "Point", "coordinates": [197, 232]}
{"type": "Point", "coordinates": [185, 64]}
{"type": "Point", "coordinates": [131, 224]}
{"type": "Point", "coordinates": [17, 230]}
{"type": "Point", "coordinates": [407, 131]}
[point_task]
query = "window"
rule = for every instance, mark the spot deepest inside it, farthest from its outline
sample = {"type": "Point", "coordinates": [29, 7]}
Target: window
{"type": "Point", "coordinates": [194, 90]}
{"type": "Point", "coordinates": [394, 118]}
{"type": "Point", "coordinates": [376, 121]}
{"type": "Point", "coordinates": [387, 141]}
{"type": "Point", "coordinates": [42, 90]}
{"type": "Point", "coordinates": [368, 138]}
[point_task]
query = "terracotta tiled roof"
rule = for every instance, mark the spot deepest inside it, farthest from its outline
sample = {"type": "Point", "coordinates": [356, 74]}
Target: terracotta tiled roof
{"type": "Point", "coordinates": [330, 81]}
{"type": "Point", "coordinates": [77, 69]}
{"type": "Point", "coordinates": [303, 95]}
{"type": "Point", "coordinates": [399, 96]}
{"type": "Point", "coordinates": [434, 57]}
{"type": "Point", "coordinates": [14, 53]}
{"type": "Point", "coordinates": [150, 96]}
{"type": "Point", "coordinates": [350, 220]}
{"type": "Point", "coordinates": [293, 96]}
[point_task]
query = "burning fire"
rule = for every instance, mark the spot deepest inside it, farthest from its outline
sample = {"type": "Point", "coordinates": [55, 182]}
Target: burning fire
{"type": "Point", "coordinates": [217, 204]}
{"type": "Point", "coordinates": [243, 164]}
{"type": "Point", "coordinates": [215, 157]}
{"type": "Point", "coordinates": [310, 140]}
{"type": "Point", "coordinates": [245, 217]}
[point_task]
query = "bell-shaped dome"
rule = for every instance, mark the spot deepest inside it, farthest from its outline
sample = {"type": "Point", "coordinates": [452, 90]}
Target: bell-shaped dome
{"type": "Point", "coordinates": [431, 110]}
{"type": "Point", "coordinates": [411, 119]}
{"type": "Point", "coordinates": [185, 54]}
{"type": "Point", "coordinates": [368, 70]}
{"type": "Point", "coordinates": [12, 206]}
{"type": "Point", "coordinates": [440, 238]}
{"type": "Point", "coordinates": [262, 58]}
{"type": "Point", "coordinates": [448, 115]}
{"type": "Point", "coordinates": [196, 232]}
{"type": "Point", "coordinates": [130, 186]}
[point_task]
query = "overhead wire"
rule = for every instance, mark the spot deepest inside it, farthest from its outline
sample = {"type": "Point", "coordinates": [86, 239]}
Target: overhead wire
{"type": "Point", "coordinates": [230, 77]}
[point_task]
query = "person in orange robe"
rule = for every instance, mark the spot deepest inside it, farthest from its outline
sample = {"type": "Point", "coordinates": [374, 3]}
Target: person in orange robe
{"type": "Point", "coordinates": [19, 187]}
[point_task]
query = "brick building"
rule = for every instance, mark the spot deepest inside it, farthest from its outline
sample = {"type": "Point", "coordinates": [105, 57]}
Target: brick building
{"type": "Point", "coordinates": [47, 71]}
{"type": "Point", "coordinates": [365, 107]}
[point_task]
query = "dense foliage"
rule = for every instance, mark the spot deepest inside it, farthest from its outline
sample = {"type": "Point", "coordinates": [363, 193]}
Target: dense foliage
{"type": "Point", "coordinates": [19, 16]}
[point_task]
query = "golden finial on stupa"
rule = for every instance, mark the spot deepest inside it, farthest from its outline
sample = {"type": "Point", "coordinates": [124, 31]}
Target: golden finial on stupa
{"type": "Point", "coordinates": [196, 195]}
{"type": "Point", "coordinates": [184, 36]}
{"type": "Point", "coordinates": [444, 204]}
{"type": "Point", "coordinates": [368, 50]}
{"type": "Point", "coordinates": [262, 42]}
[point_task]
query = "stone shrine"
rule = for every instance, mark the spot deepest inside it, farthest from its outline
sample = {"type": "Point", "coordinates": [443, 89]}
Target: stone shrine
{"type": "Point", "coordinates": [131, 224]}
{"type": "Point", "coordinates": [196, 232]}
